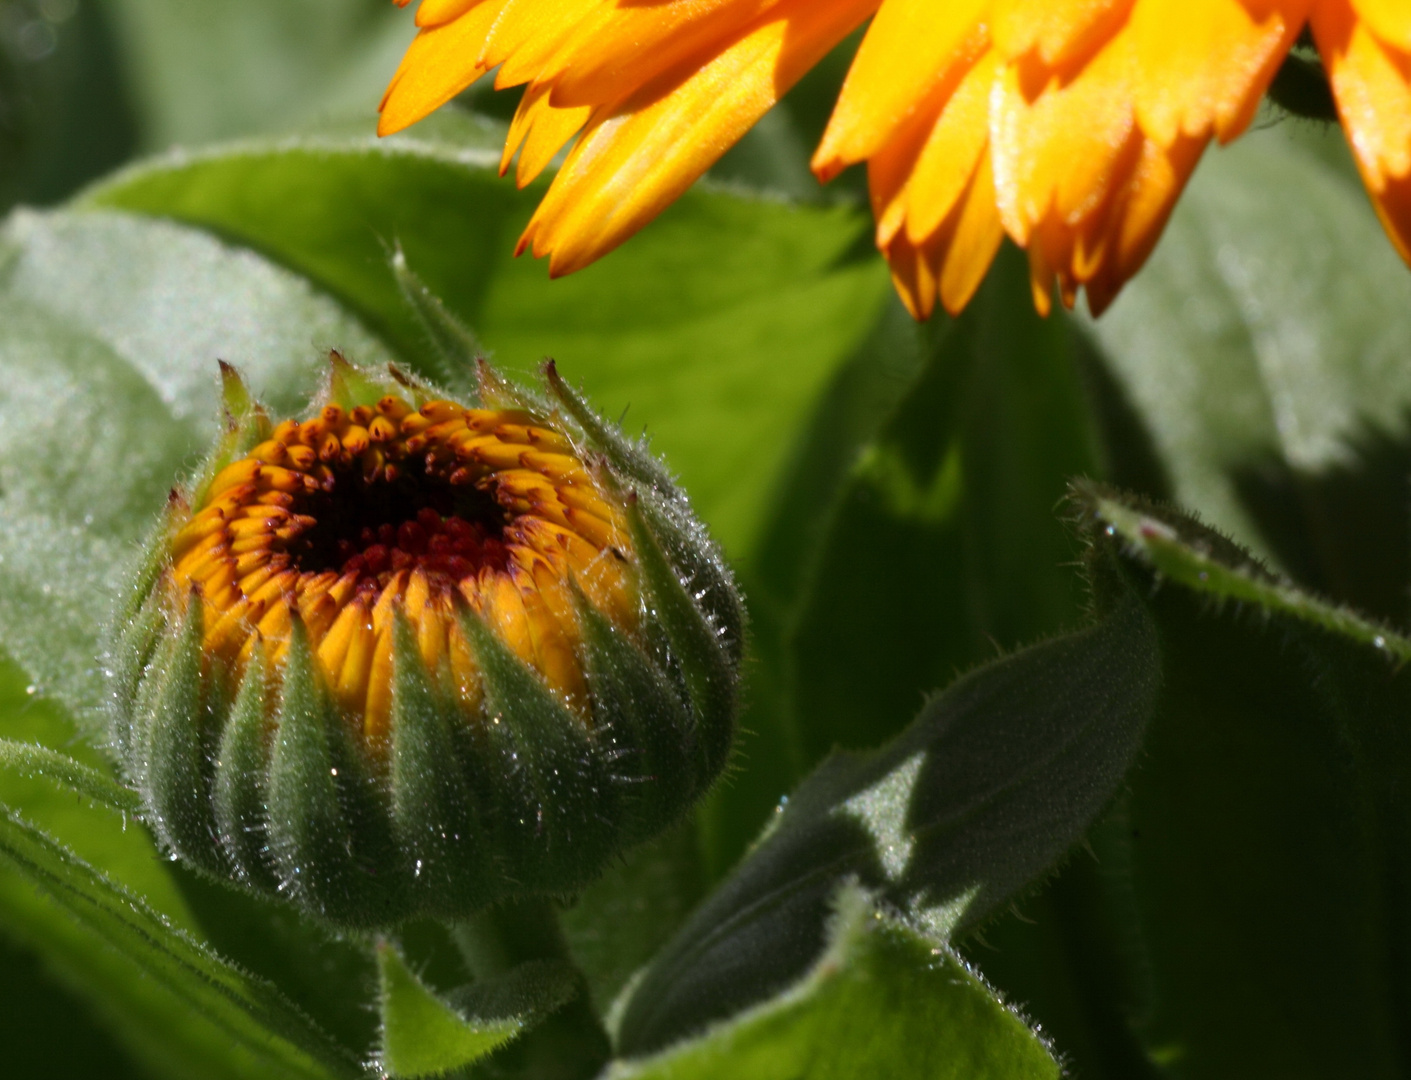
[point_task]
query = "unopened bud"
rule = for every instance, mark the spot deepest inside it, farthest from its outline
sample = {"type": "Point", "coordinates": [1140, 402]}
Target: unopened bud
{"type": "Point", "coordinates": [411, 657]}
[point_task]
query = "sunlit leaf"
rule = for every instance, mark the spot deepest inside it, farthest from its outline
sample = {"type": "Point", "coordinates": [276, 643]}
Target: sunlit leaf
{"type": "Point", "coordinates": [718, 326]}
{"type": "Point", "coordinates": [880, 1000]}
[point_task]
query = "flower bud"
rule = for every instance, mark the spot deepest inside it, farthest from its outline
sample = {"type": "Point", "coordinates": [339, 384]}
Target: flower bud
{"type": "Point", "coordinates": [408, 657]}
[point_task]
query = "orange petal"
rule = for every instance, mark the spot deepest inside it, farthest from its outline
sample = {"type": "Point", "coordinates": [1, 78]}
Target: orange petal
{"type": "Point", "coordinates": [889, 173]}
{"type": "Point", "coordinates": [1057, 33]}
{"type": "Point", "coordinates": [1390, 20]}
{"type": "Point", "coordinates": [1372, 85]}
{"type": "Point", "coordinates": [1204, 64]}
{"type": "Point", "coordinates": [1140, 214]}
{"type": "Point", "coordinates": [529, 33]}
{"type": "Point", "coordinates": [910, 47]}
{"type": "Point", "coordinates": [911, 276]}
{"type": "Point", "coordinates": [952, 151]}
{"type": "Point", "coordinates": [1060, 153]}
{"type": "Point", "coordinates": [966, 242]}
{"type": "Point", "coordinates": [538, 132]}
{"type": "Point", "coordinates": [438, 65]}
{"type": "Point", "coordinates": [1393, 205]}
{"type": "Point", "coordinates": [621, 47]}
{"type": "Point", "coordinates": [634, 160]}
{"type": "Point", "coordinates": [438, 12]}
{"type": "Point", "coordinates": [952, 262]}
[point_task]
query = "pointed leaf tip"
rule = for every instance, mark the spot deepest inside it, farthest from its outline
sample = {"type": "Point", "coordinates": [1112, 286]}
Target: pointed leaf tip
{"type": "Point", "coordinates": [422, 1035]}
{"type": "Point", "coordinates": [455, 349]}
{"type": "Point", "coordinates": [235, 396]}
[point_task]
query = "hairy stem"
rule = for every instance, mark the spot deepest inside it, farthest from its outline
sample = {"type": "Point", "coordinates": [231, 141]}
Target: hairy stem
{"type": "Point", "coordinates": [570, 1044]}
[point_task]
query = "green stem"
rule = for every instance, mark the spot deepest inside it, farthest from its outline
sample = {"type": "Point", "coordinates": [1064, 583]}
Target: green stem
{"type": "Point", "coordinates": [571, 1043]}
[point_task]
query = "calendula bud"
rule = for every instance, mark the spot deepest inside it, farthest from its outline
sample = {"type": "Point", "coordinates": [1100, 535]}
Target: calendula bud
{"type": "Point", "coordinates": [412, 657]}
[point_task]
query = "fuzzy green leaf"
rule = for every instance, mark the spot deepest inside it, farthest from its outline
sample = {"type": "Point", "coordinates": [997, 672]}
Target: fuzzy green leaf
{"type": "Point", "coordinates": [424, 1035]}
{"type": "Point", "coordinates": [880, 1000]}
{"type": "Point", "coordinates": [259, 1029]}
{"type": "Point", "coordinates": [993, 783]}
{"type": "Point", "coordinates": [1253, 866]}
{"type": "Point", "coordinates": [112, 328]}
{"type": "Point", "coordinates": [728, 314]}
{"type": "Point", "coordinates": [913, 535]}
{"type": "Point", "coordinates": [32, 760]}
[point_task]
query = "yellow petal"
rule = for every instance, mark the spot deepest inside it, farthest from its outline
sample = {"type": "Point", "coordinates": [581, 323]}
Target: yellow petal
{"type": "Point", "coordinates": [1140, 213]}
{"type": "Point", "coordinates": [1204, 64]}
{"type": "Point", "coordinates": [1393, 205]}
{"type": "Point", "coordinates": [1058, 32]}
{"type": "Point", "coordinates": [952, 151]}
{"type": "Point", "coordinates": [910, 47]}
{"type": "Point", "coordinates": [538, 132]}
{"type": "Point", "coordinates": [966, 242]}
{"type": "Point", "coordinates": [632, 161]}
{"type": "Point", "coordinates": [527, 35]}
{"type": "Point", "coordinates": [1061, 152]}
{"type": "Point", "coordinates": [1390, 20]}
{"type": "Point", "coordinates": [1372, 85]}
{"type": "Point", "coordinates": [438, 12]}
{"type": "Point", "coordinates": [911, 276]}
{"type": "Point", "coordinates": [377, 712]}
{"type": "Point", "coordinates": [621, 47]}
{"type": "Point", "coordinates": [438, 65]}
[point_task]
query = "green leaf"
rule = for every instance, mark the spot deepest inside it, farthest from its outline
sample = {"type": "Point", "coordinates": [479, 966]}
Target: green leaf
{"type": "Point", "coordinates": [171, 1001]}
{"type": "Point", "coordinates": [33, 760]}
{"type": "Point", "coordinates": [913, 534]}
{"type": "Point", "coordinates": [423, 1034]}
{"type": "Point", "coordinates": [992, 784]}
{"type": "Point", "coordinates": [1254, 371]}
{"type": "Point", "coordinates": [121, 939]}
{"type": "Point", "coordinates": [112, 326]}
{"type": "Point", "coordinates": [1258, 368]}
{"type": "Point", "coordinates": [726, 315]}
{"type": "Point", "coordinates": [880, 1000]}
{"type": "Point", "coordinates": [1257, 862]}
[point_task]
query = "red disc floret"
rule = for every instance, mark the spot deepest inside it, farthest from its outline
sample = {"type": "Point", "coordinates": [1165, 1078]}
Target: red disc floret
{"type": "Point", "coordinates": [447, 549]}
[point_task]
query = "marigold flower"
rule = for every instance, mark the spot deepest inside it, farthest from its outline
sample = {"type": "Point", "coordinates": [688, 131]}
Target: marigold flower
{"type": "Point", "coordinates": [407, 656]}
{"type": "Point", "coordinates": [1071, 125]}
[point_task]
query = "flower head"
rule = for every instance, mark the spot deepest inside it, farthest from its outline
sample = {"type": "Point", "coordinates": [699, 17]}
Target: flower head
{"type": "Point", "coordinates": [411, 656]}
{"type": "Point", "coordinates": [1070, 125]}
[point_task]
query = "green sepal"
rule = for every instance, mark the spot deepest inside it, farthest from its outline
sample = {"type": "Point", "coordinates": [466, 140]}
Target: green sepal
{"type": "Point", "coordinates": [433, 810]}
{"type": "Point", "coordinates": [176, 781]}
{"type": "Point", "coordinates": [349, 386]}
{"type": "Point", "coordinates": [242, 763]}
{"type": "Point", "coordinates": [695, 644]}
{"type": "Point", "coordinates": [551, 801]}
{"type": "Point", "coordinates": [310, 834]}
{"type": "Point", "coordinates": [246, 426]}
{"type": "Point", "coordinates": [630, 459]}
{"type": "Point", "coordinates": [137, 641]}
{"type": "Point", "coordinates": [454, 347]}
{"type": "Point", "coordinates": [645, 732]}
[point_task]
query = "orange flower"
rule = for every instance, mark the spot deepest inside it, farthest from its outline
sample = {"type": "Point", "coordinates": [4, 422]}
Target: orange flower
{"type": "Point", "coordinates": [1070, 125]}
